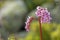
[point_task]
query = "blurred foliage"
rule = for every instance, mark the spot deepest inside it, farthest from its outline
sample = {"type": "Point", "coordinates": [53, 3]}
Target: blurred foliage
{"type": "Point", "coordinates": [50, 31]}
{"type": "Point", "coordinates": [32, 4]}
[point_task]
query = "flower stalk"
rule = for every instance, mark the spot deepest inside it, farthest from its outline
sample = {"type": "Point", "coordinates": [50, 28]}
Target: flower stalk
{"type": "Point", "coordinates": [39, 19]}
{"type": "Point", "coordinates": [43, 17]}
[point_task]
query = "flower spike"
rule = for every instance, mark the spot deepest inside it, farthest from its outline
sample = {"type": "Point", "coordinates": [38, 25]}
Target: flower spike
{"type": "Point", "coordinates": [29, 20]}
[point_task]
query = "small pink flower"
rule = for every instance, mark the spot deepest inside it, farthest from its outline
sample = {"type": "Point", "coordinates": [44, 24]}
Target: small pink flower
{"type": "Point", "coordinates": [29, 19]}
{"type": "Point", "coordinates": [44, 14]}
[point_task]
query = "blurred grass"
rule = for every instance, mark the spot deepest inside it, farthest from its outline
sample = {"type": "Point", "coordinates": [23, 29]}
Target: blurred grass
{"type": "Point", "coordinates": [50, 31]}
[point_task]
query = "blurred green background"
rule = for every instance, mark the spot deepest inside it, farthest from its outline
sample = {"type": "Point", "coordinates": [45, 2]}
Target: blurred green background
{"type": "Point", "coordinates": [13, 14]}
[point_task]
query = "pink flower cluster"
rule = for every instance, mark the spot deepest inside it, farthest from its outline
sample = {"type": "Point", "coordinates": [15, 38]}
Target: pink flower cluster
{"type": "Point", "coordinates": [29, 19]}
{"type": "Point", "coordinates": [44, 14]}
